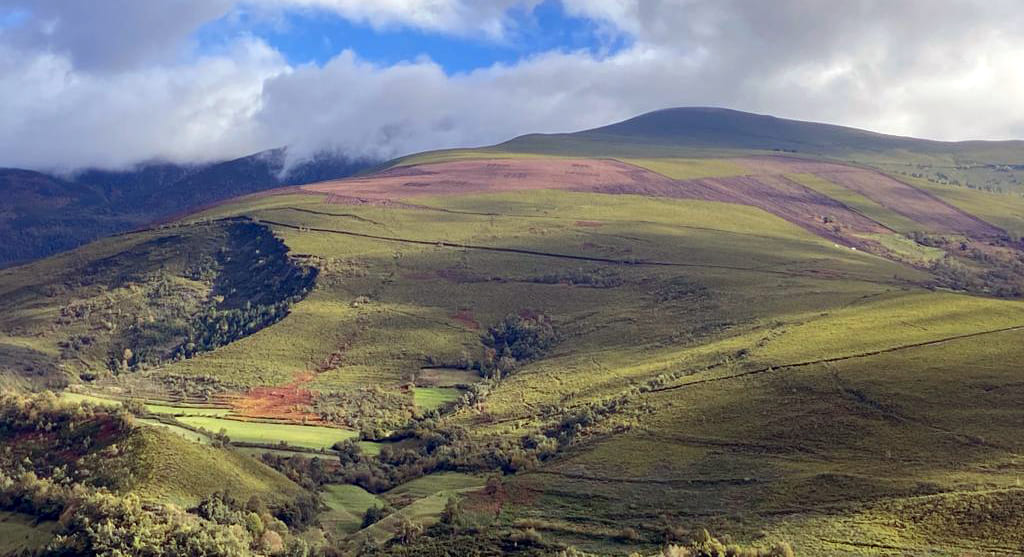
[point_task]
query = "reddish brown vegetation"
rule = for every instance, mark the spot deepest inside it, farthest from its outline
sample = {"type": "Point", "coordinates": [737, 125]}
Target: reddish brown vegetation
{"type": "Point", "coordinates": [766, 186]}
{"type": "Point", "coordinates": [466, 318]}
{"type": "Point", "coordinates": [913, 203]}
{"type": "Point", "coordinates": [289, 402]}
{"type": "Point", "coordinates": [462, 177]}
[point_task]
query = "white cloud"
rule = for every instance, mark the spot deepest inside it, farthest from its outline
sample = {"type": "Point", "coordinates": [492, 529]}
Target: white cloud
{"type": "Point", "coordinates": [899, 66]}
{"type": "Point", "coordinates": [56, 116]}
{"type": "Point", "coordinates": [488, 18]}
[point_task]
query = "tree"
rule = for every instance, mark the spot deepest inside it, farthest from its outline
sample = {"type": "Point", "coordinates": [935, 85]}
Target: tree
{"type": "Point", "coordinates": [374, 515]}
{"type": "Point", "coordinates": [406, 531]}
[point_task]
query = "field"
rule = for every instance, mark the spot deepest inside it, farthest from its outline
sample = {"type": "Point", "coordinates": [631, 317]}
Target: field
{"type": "Point", "coordinates": [19, 533]}
{"type": "Point", "coordinates": [165, 409]}
{"type": "Point", "coordinates": [347, 505]}
{"type": "Point", "coordinates": [431, 398]}
{"type": "Point", "coordinates": [421, 501]}
{"type": "Point", "coordinates": [309, 437]}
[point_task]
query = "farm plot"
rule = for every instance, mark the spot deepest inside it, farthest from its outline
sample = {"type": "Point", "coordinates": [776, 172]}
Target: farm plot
{"type": "Point", "coordinates": [309, 437]}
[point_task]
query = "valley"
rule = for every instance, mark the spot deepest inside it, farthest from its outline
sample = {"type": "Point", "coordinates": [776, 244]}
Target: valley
{"type": "Point", "coordinates": [590, 342]}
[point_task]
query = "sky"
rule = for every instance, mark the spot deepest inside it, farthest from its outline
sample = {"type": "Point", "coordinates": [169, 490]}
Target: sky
{"type": "Point", "coordinates": [112, 83]}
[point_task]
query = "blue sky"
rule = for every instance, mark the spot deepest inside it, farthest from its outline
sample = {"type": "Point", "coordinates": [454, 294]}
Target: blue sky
{"type": "Point", "coordinates": [316, 35]}
{"type": "Point", "coordinates": [114, 82]}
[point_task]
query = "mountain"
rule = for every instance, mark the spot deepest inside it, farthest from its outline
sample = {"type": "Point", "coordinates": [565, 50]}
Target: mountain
{"type": "Point", "coordinates": [719, 128]}
{"type": "Point", "coordinates": [41, 214]}
{"type": "Point", "coordinates": [564, 343]}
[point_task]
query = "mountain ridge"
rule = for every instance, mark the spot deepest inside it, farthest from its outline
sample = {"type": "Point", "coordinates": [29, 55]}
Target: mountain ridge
{"type": "Point", "coordinates": [716, 127]}
{"type": "Point", "coordinates": [42, 214]}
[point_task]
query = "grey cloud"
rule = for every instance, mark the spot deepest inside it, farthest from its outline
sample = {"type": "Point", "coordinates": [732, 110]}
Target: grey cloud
{"type": "Point", "coordinates": [111, 34]}
{"type": "Point", "coordinates": [895, 66]}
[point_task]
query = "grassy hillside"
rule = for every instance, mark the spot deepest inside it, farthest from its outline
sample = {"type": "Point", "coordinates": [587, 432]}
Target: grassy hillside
{"type": "Point", "coordinates": [544, 352]}
{"type": "Point", "coordinates": [702, 133]}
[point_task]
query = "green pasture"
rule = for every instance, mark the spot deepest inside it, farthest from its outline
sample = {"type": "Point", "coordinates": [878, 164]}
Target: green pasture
{"type": "Point", "coordinates": [305, 436]}
{"type": "Point", "coordinates": [21, 534]}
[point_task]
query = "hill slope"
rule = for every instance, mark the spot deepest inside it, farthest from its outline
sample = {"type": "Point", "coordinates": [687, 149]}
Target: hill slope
{"type": "Point", "coordinates": [774, 347]}
{"type": "Point", "coordinates": [41, 214]}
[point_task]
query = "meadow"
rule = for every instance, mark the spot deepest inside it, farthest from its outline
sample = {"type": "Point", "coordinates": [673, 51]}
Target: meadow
{"type": "Point", "coordinates": [21, 533]}
{"type": "Point", "coordinates": [304, 436]}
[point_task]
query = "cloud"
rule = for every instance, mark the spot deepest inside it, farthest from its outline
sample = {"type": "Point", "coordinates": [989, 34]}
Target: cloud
{"type": "Point", "coordinates": [897, 66]}
{"type": "Point", "coordinates": [488, 18]}
{"type": "Point", "coordinates": [100, 35]}
{"type": "Point", "coordinates": [54, 116]}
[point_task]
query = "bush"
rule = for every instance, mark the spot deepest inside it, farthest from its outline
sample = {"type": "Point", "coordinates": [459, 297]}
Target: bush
{"type": "Point", "coordinates": [374, 515]}
{"type": "Point", "coordinates": [517, 338]}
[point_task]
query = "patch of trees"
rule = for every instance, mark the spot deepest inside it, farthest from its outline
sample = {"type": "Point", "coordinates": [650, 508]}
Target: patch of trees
{"type": "Point", "coordinates": [255, 287]}
{"type": "Point", "coordinates": [996, 270]}
{"type": "Point", "coordinates": [592, 278]}
{"type": "Point", "coordinates": [254, 284]}
{"type": "Point", "coordinates": [192, 386]}
{"type": "Point", "coordinates": [424, 449]}
{"type": "Point", "coordinates": [515, 340]}
{"type": "Point", "coordinates": [98, 522]}
{"type": "Point", "coordinates": [45, 436]}
{"type": "Point", "coordinates": [371, 410]}
{"type": "Point", "coordinates": [708, 546]}
{"type": "Point", "coordinates": [427, 447]}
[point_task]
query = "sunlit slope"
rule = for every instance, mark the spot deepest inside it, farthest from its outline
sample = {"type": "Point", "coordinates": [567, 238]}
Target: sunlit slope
{"type": "Point", "coordinates": [649, 255]}
{"type": "Point", "coordinates": [699, 132]}
{"type": "Point", "coordinates": [910, 451]}
{"type": "Point", "coordinates": [753, 344]}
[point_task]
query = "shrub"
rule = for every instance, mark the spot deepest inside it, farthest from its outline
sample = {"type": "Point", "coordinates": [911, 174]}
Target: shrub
{"type": "Point", "coordinates": [374, 515]}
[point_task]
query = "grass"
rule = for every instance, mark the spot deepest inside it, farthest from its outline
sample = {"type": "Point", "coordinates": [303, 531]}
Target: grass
{"type": "Point", "coordinates": [691, 169]}
{"type": "Point", "coordinates": [857, 202]}
{"type": "Point", "coordinates": [165, 409]}
{"type": "Point", "coordinates": [431, 398]}
{"type": "Point", "coordinates": [305, 436]}
{"type": "Point", "coordinates": [178, 430]}
{"type": "Point", "coordinates": [423, 500]}
{"type": "Point", "coordinates": [877, 434]}
{"type": "Point", "coordinates": [164, 466]}
{"type": "Point", "coordinates": [21, 534]}
{"type": "Point", "coordinates": [435, 483]}
{"type": "Point", "coordinates": [907, 249]}
{"type": "Point", "coordinates": [347, 504]}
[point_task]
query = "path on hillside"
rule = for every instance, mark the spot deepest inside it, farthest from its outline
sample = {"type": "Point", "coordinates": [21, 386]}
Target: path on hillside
{"type": "Point", "coordinates": [835, 359]}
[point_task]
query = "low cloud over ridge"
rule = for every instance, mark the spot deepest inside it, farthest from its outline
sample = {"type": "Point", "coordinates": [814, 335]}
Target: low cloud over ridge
{"type": "Point", "coordinates": [119, 84]}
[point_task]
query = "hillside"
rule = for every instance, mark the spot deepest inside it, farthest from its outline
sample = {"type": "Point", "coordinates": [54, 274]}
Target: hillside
{"type": "Point", "coordinates": [509, 350]}
{"type": "Point", "coordinates": [43, 214]}
{"type": "Point", "coordinates": [994, 166]}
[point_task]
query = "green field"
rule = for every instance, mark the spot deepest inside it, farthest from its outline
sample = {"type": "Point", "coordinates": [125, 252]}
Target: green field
{"type": "Point", "coordinates": [309, 437]}
{"type": "Point", "coordinates": [431, 398]}
{"type": "Point", "coordinates": [421, 502]}
{"type": "Point", "coordinates": [20, 533]}
{"type": "Point", "coordinates": [347, 505]}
